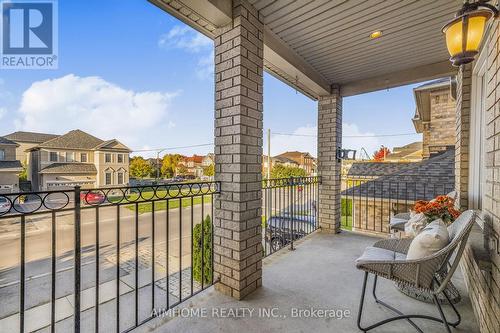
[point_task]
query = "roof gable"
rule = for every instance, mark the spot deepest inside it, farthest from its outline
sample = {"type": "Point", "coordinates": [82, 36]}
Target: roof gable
{"type": "Point", "coordinates": [112, 144]}
{"type": "Point", "coordinates": [75, 139]}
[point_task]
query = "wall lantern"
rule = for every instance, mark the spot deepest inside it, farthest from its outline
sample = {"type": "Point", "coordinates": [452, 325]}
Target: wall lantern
{"type": "Point", "coordinates": [465, 32]}
{"type": "Point", "coordinates": [345, 154]}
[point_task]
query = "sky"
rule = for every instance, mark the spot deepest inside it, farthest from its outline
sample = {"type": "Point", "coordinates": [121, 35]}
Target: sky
{"type": "Point", "coordinates": [130, 71]}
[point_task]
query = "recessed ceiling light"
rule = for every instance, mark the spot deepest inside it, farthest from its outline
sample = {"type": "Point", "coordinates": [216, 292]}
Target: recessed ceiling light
{"type": "Point", "coordinates": [376, 34]}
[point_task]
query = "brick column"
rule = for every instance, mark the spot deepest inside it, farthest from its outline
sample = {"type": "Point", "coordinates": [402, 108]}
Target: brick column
{"type": "Point", "coordinates": [238, 152]}
{"type": "Point", "coordinates": [329, 138]}
{"type": "Point", "coordinates": [464, 83]}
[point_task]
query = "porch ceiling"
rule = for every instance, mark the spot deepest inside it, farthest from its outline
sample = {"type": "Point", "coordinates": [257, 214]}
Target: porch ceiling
{"type": "Point", "coordinates": [312, 44]}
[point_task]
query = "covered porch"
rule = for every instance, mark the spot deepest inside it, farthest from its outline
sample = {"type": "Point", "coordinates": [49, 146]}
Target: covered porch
{"type": "Point", "coordinates": [328, 50]}
{"type": "Point", "coordinates": [318, 275]}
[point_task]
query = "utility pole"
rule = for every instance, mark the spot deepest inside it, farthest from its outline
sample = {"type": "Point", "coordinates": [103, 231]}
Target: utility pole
{"type": "Point", "coordinates": [268, 153]}
{"type": "Point", "coordinates": [158, 163]}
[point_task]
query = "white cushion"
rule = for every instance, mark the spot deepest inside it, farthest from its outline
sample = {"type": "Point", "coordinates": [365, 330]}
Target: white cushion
{"type": "Point", "coordinates": [430, 240]}
{"type": "Point", "coordinates": [372, 253]}
{"type": "Point", "coordinates": [415, 224]}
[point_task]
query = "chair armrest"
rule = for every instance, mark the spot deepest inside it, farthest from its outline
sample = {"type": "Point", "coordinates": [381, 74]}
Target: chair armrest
{"type": "Point", "coordinates": [398, 245]}
{"type": "Point", "coordinates": [405, 216]}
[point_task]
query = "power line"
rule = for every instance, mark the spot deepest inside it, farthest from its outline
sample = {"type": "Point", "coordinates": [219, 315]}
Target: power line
{"type": "Point", "coordinates": [350, 136]}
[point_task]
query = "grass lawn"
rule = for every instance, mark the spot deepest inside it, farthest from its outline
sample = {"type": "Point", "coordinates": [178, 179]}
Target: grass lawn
{"type": "Point", "coordinates": [146, 207]}
{"type": "Point", "coordinates": [346, 222]}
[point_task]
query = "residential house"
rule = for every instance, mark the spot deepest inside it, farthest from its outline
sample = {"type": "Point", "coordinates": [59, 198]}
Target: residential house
{"type": "Point", "coordinates": [411, 152]}
{"type": "Point", "coordinates": [10, 166]}
{"type": "Point", "coordinates": [435, 116]}
{"type": "Point", "coordinates": [27, 140]}
{"type": "Point", "coordinates": [193, 166]}
{"type": "Point", "coordinates": [304, 160]}
{"type": "Point", "coordinates": [78, 158]}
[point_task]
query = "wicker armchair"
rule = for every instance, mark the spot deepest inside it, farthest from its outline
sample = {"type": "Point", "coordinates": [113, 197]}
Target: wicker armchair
{"type": "Point", "coordinates": [387, 259]}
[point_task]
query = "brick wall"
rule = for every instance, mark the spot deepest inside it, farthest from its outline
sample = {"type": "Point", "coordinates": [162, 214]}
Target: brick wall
{"type": "Point", "coordinates": [462, 138]}
{"type": "Point", "coordinates": [484, 286]}
{"type": "Point", "coordinates": [439, 133]}
{"type": "Point", "coordinates": [238, 152]}
{"type": "Point", "coordinates": [329, 138]}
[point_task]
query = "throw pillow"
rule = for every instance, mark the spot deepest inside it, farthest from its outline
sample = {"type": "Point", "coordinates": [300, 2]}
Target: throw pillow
{"type": "Point", "coordinates": [430, 240]}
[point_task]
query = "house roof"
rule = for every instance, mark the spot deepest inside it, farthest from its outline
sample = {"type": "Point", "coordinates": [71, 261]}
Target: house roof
{"type": "Point", "coordinates": [33, 137]}
{"type": "Point", "coordinates": [421, 180]}
{"type": "Point", "coordinates": [78, 139]}
{"type": "Point", "coordinates": [5, 141]}
{"type": "Point", "coordinates": [375, 169]}
{"type": "Point", "coordinates": [410, 151]}
{"type": "Point", "coordinates": [194, 158]}
{"type": "Point", "coordinates": [10, 165]}
{"type": "Point", "coordinates": [283, 159]}
{"type": "Point", "coordinates": [78, 168]}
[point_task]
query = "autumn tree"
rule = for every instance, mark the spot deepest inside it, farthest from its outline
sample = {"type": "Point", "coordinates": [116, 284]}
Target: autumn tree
{"type": "Point", "coordinates": [381, 154]}
{"type": "Point", "coordinates": [169, 164]}
{"type": "Point", "coordinates": [139, 167]}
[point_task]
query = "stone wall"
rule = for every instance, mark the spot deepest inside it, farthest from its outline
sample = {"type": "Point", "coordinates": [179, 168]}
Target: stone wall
{"type": "Point", "coordinates": [329, 138]}
{"type": "Point", "coordinates": [239, 49]}
{"type": "Point", "coordinates": [439, 133]}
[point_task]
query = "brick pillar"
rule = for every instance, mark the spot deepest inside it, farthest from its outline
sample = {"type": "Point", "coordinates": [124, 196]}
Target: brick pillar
{"type": "Point", "coordinates": [464, 83]}
{"type": "Point", "coordinates": [239, 51]}
{"type": "Point", "coordinates": [329, 138]}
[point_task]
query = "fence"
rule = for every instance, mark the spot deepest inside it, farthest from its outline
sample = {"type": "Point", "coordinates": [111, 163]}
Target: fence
{"type": "Point", "coordinates": [290, 211]}
{"type": "Point", "coordinates": [369, 205]}
{"type": "Point", "coordinates": [119, 254]}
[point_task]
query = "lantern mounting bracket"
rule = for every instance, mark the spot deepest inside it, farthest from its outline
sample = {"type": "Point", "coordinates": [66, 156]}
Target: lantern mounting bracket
{"type": "Point", "coordinates": [471, 6]}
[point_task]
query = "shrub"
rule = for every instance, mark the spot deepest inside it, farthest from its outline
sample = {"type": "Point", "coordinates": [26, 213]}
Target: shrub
{"type": "Point", "coordinates": [346, 207]}
{"type": "Point", "coordinates": [207, 251]}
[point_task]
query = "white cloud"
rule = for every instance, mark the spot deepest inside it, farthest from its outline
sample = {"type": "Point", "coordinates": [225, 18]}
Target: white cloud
{"type": "Point", "coordinates": [184, 37]}
{"type": "Point", "coordinates": [96, 106]}
{"type": "Point", "coordinates": [191, 41]}
{"type": "Point", "coordinates": [306, 140]}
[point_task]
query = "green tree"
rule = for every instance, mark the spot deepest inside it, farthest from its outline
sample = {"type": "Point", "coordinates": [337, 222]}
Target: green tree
{"type": "Point", "coordinates": [169, 164]}
{"type": "Point", "coordinates": [282, 171]}
{"type": "Point", "coordinates": [209, 171]}
{"type": "Point", "coordinates": [139, 167]}
{"type": "Point", "coordinates": [204, 241]}
{"type": "Point", "coordinates": [23, 176]}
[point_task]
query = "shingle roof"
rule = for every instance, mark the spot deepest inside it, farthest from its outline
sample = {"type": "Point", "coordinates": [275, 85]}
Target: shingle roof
{"type": "Point", "coordinates": [85, 168]}
{"type": "Point", "coordinates": [75, 139]}
{"type": "Point", "coordinates": [30, 137]}
{"type": "Point", "coordinates": [375, 169]}
{"type": "Point", "coordinates": [5, 141]}
{"type": "Point", "coordinates": [422, 180]}
{"type": "Point", "coordinates": [10, 164]}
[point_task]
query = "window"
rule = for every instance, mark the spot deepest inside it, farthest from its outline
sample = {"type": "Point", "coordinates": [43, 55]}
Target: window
{"type": "Point", "coordinates": [70, 156]}
{"type": "Point", "coordinates": [108, 180]}
{"type": "Point", "coordinates": [107, 158]}
{"type": "Point", "coordinates": [83, 157]}
{"type": "Point", "coordinates": [120, 158]}
{"type": "Point", "coordinates": [2, 154]}
{"type": "Point", "coordinates": [120, 178]}
{"type": "Point", "coordinates": [53, 156]}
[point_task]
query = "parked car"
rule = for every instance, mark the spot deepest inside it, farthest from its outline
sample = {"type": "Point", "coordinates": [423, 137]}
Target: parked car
{"type": "Point", "coordinates": [4, 205]}
{"type": "Point", "coordinates": [92, 198]}
{"type": "Point", "coordinates": [279, 229]}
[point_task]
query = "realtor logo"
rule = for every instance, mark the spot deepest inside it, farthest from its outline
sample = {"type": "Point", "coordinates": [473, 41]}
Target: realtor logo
{"type": "Point", "coordinates": [29, 34]}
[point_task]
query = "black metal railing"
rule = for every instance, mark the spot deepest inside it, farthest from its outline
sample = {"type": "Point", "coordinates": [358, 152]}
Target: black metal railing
{"type": "Point", "coordinates": [369, 205]}
{"type": "Point", "coordinates": [118, 254]}
{"type": "Point", "coordinates": [290, 211]}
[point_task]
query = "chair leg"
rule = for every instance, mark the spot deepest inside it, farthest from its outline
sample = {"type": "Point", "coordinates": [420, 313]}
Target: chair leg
{"type": "Point", "coordinates": [441, 313]}
{"type": "Point", "coordinates": [362, 301]}
{"type": "Point", "coordinates": [459, 318]}
{"type": "Point", "coordinates": [400, 316]}
{"type": "Point", "coordinates": [378, 301]}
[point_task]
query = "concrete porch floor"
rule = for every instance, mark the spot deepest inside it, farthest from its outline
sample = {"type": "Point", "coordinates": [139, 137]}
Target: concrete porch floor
{"type": "Point", "coordinates": [320, 274]}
